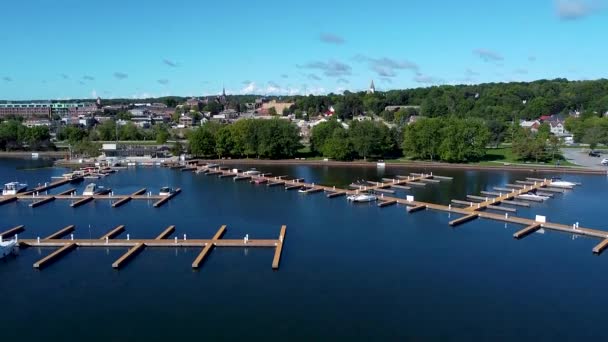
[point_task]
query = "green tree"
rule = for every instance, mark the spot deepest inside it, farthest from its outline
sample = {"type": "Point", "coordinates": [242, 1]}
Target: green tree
{"type": "Point", "coordinates": [321, 132]}
{"type": "Point", "coordinates": [202, 142]}
{"type": "Point", "coordinates": [338, 146]}
{"type": "Point", "coordinates": [223, 142]}
{"type": "Point", "coordinates": [272, 111]}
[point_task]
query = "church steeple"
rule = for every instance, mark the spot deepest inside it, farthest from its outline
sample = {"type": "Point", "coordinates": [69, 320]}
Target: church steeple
{"type": "Point", "coordinates": [372, 88]}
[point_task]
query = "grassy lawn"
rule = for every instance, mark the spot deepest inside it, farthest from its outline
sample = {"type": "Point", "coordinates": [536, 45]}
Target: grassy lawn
{"type": "Point", "coordinates": [503, 155]}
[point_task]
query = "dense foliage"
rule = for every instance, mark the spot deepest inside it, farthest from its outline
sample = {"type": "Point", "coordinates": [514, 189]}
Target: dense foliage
{"type": "Point", "coordinates": [272, 139]}
{"type": "Point", "coordinates": [450, 140]}
{"type": "Point", "coordinates": [361, 140]}
{"type": "Point", "coordinates": [15, 136]}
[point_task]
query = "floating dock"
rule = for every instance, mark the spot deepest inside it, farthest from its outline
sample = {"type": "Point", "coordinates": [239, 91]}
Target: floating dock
{"type": "Point", "coordinates": [138, 245]}
{"type": "Point", "coordinates": [506, 196]}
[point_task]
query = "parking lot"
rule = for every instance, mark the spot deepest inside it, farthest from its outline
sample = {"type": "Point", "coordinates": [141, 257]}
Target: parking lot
{"type": "Point", "coordinates": [580, 156]}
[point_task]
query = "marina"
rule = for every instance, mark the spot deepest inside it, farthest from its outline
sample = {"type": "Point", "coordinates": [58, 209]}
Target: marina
{"type": "Point", "coordinates": [524, 190]}
{"type": "Point", "coordinates": [394, 258]}
{"type": "Point", "coordinates": [136, 246]}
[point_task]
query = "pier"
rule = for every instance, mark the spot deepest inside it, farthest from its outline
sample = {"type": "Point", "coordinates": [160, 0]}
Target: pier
{"type": "Point", "coordinates": [471, 211]}
{"type": "Point", "coordinates": [136, 246]}
{"type": "Point", "coordinates": [78, 200]}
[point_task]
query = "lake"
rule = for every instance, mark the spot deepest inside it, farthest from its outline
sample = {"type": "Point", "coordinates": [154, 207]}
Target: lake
{"type": "Point", "coordinates": [348, 271]}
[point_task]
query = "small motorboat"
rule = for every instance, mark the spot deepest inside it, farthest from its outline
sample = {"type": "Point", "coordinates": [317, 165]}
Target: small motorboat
{"type": "Point", "coordinates": [166, 191]}
{"type": "Point", "coordinates": [259, 181]}
{"type": "Point", "coordinates": [563, 184]}
{"type": "Point", "coordinates": [304, 190]}
{"type": "Point", "coordinates": [7, 248]}
{"type": "Point", "coordinates": [13, 188]}
{"type": "Point", "coordinates": [92, 189]}
{"type": "Point", "coordinates": [362, 198]}
{"type": "Point", "coordinates": [252, 172]}
{"type": "Point", "coordinates": [533, 197]}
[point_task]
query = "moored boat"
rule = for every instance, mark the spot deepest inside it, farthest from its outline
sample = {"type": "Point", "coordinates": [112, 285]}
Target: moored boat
{"type": "Point", "coordinates": [362, 198]}
{"type": "Point", "coordinates": [7, 248]}
{"type": "Point", "coordinates": [166, 191]}
{"type": "Point", "coordinates": [533, 197]}
{"type": "Point", "coordinates": [13, 188]}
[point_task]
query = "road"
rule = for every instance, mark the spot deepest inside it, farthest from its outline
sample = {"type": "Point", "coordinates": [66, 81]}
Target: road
{"type": "Point", "coordinates": [580, 156]}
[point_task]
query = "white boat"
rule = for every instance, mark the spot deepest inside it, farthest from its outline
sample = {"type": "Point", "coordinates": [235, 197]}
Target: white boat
{"type": "Point", "coordinates": [560, 183]}
{"type": "Point", "coordinates": [252, 172]}
{"type": "Point", "coordinates": [380, 164]}
{"type": "Point", "coordinates": [533, 197]}
{"type": "Point", "coordinates": [166, 191]}
{"type": "Point", "coordinates": [362, 198]}
{"type": "Point", "coordinates": [90, 189]}
{"type": "Point", "coordinates": [13, 188]}
{"type": "Point", "coordinates": [7, 248]}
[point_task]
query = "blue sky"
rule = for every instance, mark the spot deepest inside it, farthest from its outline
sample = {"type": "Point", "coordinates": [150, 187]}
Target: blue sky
{"type": "Point", "coordinates": [81, 49]}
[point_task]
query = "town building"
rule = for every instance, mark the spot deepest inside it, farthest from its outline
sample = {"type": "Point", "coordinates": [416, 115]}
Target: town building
{"type": "Point", "coordinates": [280, 107]}
{"type": "Point", "coordinates": [27, 110]}
{"type": "Point", "coordinates": [186, 121]}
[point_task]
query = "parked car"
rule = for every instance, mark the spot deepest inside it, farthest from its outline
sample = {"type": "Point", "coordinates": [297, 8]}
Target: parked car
{"type": "Point", "coordinates": [605, 161]}
{"type": "Point", "coordinates": [594, 154]}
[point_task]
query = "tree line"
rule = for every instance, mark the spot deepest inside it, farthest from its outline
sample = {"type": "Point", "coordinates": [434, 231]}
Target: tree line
{"type": "Point", "coordinates": [272, 139]}
{"type": "Point", "coordinates": [15, 136]}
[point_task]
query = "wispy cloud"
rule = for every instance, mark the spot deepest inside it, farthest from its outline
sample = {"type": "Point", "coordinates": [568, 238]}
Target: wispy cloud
{"type": "Point", "coordinates": [250, 88]}
{"type": "Point", "coordinates": [88, 78]}
{"type": "Point", "coordinates": [170, 62]}
{"type": "Point", "coordinates": [81, 82]}
{"type": "Point", "coordinates": [343, 81]}
{"type": "Point", "coordinates": [331, 68]}
{"type": "Point", "coordinates": [387, 67]}
{"type": "Point", "coordinates": [285, 76]}
{"type": "Point", "coordinates": [7, 79]}
{"type": "Point", "coordinates": [163, 81]}
{"type": "Point", "coordinates": [488, 55]}
{"type": "Point", "coordinates": [246, 82]}
{"type": "Point", "coordinates": [313, 77]}
{"type": "Point", "coordinates": [65, 77]}
{"type": "Point", "coordinates": [575, 9]}
{"type": "Point", "coordinates": [331, 38]}
{"type": "Point", "coordinates": [532, 58]}
{"type": "Point", "coordinates": [274, 84]}
{"type": "Point", "coordinates": [386, 80]}
{"type": "Point", "coordinates": [426, 79]}
{"type": "Point", "coordinates": [120, 75]}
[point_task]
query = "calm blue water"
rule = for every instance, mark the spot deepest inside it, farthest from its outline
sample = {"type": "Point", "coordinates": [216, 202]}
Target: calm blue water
{"type": "Point", "coordinates": [348, 272]}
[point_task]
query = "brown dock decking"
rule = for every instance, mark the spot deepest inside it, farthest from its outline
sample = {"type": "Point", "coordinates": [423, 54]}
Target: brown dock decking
{"type": "Point", "coordinates": [383, 204]}
{"type": "Point", "coordinates": [82, 201]}
{"type": "Point", "coordinates": [11, 232]}
{"type": "Point", "coordinates": [416, 208]}
{"type": "Point", "coordinates": [67, 192]}
{"type": "Point", "coordinates": [499, 208]}
{"type": "Point", "coordinates": [527, 231]}
{"type": "Point", "coordinates": [61, 233]}
{"type": "Point", "coordinates": [128, 198]}
{"type": "Point", "coordinates": [336, 194]}
{"type": "Point", "coordinates": [205, 252]}
{"type": "Point", "coordinates": [463, 219]}
{"type": "Point", "coordinates": [42, 201]}
{"type": "Point", "coordinates": [294, 187]}
{"type": "Point", "coordinates": [8, 199]}
{"type": "Point", "coordinates": [133, 251]}
{"type": "Point", "coordinates": [277, 252]}
{"type": "Point", "coordinates": [166, 233]}
{"type": "Point", "coordinates": [601, 246]}
{"type": "Point", "coordinates": [137, 245]}
{"type": "Point", "coordinates": [54, 256]}
{"type": "Point", "coordinates": [167, 198]}
{"type": "Point", "coordinates": [114, 232]}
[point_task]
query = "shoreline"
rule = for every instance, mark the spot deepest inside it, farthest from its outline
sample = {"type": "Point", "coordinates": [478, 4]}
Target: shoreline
{"type": "Point", "coordinates": [21, 154]}
{"type": "Point", "coordinates": [433, 165]}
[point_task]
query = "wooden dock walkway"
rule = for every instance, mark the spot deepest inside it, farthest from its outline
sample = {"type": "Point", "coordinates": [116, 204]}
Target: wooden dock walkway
{"type": "Point", "coordinates": [207, 249]}
{"type": "Point", "coordinates": [138, 245]}
{"type": "Point", "coordinates": [469, 213]}
{"type": "Point", "coordinates": [527, 231]}
{"type": "Point", "coordinates": [12, 232]}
